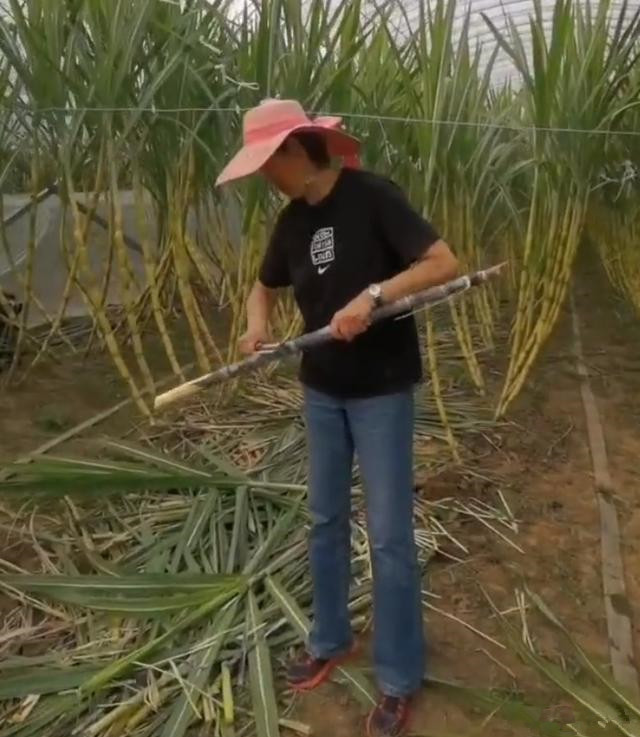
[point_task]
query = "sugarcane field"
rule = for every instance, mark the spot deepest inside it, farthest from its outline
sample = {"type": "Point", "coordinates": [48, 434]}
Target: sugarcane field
{"type": "Point", "coordinates": [319, 368]}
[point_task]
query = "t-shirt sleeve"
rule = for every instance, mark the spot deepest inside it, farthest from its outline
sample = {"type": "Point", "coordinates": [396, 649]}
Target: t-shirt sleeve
{"type": "Point", "coordinates": [274, 270]}
{"type": "Point", "coordinates": [403, 228]}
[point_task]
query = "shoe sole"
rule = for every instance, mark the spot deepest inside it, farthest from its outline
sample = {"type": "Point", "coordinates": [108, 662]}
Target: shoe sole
{"type": "Point", "coordinates": [323, 674]}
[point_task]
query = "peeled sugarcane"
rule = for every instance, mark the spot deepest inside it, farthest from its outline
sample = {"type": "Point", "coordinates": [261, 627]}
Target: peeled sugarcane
{"type": "Point", "coordinates": [425, 298]}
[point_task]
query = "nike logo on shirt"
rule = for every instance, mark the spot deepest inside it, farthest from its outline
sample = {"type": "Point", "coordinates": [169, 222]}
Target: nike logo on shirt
{"type": "Point", "coordinates": [322, 269]}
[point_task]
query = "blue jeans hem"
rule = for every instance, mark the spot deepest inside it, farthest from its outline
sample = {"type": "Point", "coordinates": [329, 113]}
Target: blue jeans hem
{"type": "Point", "coordinates": [399, 693]}
{"type": "Point", "coordinates": [338, 653]}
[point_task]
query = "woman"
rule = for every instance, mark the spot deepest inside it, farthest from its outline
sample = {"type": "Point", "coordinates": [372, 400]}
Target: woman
{"type": "Point", "coordinates": [347, 242]}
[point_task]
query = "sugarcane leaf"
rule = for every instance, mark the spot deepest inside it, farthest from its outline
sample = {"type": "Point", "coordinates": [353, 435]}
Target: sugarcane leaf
{"type": "Point", "coordinates": [263, 694]}
{"type": "Point", "coordinates": [221, 464]}
{"type": "Point", "coordinates": [147, 583]}
{"type": "Point", "coordinates": [227, 730]}
{"type": "Point", "coordinates": [505, 704]}
{"type": "Point", "coordinates": [200, 513]}
{"type": "Point", "coordinates": [611, 686]}
{"type": "Point", "coordinates": [51, 710]}
{"type": "Point", "coordinates": [99, 564]}
{"type": "Point", "coordinates": [144, 595]}
{"type": "Point", "coordinates": [282, 528]}
{"type": "Point", "coordinates": [43, 680]}
{"type": "Point", "coordinates": [145, 455]}
{"type": "Point", "coordinates": [59, 477]}
{"type": "Point", "coordinates": [353, 677]}
{"type": "Point", "coordinates": [289, 555]}
{"type": "Point", "coordinates": [182, 712]}
{"type": "Point", "coordinates": [289, 607]}
{"type": "Point", "coordinates": [222, 535]}
{"type": "Point", "coordinates": [227, 694]}
{"type": "Point", "coordinates": [238, 545]}
{"type": "Point", "coordinates": [295, 726]}
{"type": "Point", "coordinates": [588, 699]}
{"type": "Point", "coordinates": [131, 661]}
{"type": "Point", "coordinates": [361, 687]}
{"type": "Point", "coordinates": [132, 606]}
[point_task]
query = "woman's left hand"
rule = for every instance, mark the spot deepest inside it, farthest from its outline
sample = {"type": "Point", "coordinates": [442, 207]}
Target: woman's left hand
{"type": "Point", "coordinates": [354, 319]}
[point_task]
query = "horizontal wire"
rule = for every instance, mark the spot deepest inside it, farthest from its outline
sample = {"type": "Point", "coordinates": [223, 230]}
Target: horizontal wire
{"type": "Point", "coordinates": [354, 116]}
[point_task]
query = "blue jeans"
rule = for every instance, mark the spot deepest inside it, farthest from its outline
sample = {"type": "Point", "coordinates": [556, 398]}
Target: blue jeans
{"type": "Point", "coordinates": [380, 431]}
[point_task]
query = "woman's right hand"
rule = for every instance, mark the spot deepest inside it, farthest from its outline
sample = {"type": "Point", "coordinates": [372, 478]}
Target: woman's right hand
{"type": "Point", "coordinates": [251, 341]}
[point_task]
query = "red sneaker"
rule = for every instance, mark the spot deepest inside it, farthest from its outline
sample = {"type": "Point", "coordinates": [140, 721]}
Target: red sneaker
{"type": "Point", "coordinates": [308, 672]}
{"type": "Point", "coordinates": [389, 718]}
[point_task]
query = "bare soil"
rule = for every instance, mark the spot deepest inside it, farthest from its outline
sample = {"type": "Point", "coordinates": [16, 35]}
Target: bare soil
{"type": "Point", "coordinates": [540, 460]}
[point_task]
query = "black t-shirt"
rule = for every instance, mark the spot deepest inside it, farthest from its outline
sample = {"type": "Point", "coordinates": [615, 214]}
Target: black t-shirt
{"type": "Point", "coordinates": [364, 232]}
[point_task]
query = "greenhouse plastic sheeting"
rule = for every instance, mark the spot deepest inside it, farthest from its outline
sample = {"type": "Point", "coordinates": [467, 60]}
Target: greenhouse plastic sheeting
{"type": "Point", "coordinates": [501, 14]}
{"type": "Point", "coordinates": [50, 261]}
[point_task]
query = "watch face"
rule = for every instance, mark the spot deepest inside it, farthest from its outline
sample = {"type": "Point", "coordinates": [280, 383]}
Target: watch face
{"type": "Point", "coordinates": [374, 290]}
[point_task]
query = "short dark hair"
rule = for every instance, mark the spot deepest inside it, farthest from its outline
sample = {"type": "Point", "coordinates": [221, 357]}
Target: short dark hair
{"type": "Point", "coordinates": [314, 145]}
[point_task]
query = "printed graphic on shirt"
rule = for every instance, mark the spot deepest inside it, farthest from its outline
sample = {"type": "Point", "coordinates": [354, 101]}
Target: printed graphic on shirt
{"type": "Point", "coordinates": [322, 249]}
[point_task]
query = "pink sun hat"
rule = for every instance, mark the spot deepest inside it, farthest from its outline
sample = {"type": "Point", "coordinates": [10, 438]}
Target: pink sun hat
{"type": "Point", "coordinates": [267, 126]}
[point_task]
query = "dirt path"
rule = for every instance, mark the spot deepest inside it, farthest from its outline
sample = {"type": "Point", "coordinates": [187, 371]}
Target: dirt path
{"type": "Point", "coordinates": [56, 397]}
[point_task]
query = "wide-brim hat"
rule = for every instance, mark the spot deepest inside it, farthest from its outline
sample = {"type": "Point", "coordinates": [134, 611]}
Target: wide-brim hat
{"type": "Point", "coordinates": [267, 126]}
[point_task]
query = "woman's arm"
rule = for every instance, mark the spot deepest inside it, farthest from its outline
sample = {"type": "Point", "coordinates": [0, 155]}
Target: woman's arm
{"type": "Point", "coordinates": [259, 309]}
{"type": "Point", "coordinates": [437, 266]}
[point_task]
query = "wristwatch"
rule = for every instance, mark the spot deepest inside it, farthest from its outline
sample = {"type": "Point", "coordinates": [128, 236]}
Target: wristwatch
{"type": "Point", "coordinates": [375, 292]}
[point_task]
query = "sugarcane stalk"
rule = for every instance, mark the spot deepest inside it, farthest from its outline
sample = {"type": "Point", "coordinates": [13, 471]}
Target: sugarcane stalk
{"type": "Point", "coordinates": [101, 295]}
{"type": "Point", "coordinates": [152, 282]}
{"type": "Point", "coordinates": [29, 296]}
{"type": "Point", "coordinates": [91, 295]}
{"type": "Point", "coordinates": [425, 298]}
{"type": "Point", "coordinates": [27, 282]}
{"type": "Point", "coordinates": [127, 278]}
{"type": "Point", "coordinates": [183, 267]}
{"type": "Point", "coordinates": [555, 279]}
{"type": "Point", "coordinates": [465, 339]}
{"type": "Point", "coordinates": [245, 274]}
{"type": "Point", "coordinates": [73, 261]}
{"type": "Point", "coordinates": [436, 387]}
{"type": "Point", "coordinates": [479, 300]}
{"type": "Point", "coordinates": [185, 192]}
{"type": "Point", "coordinates": [459, 235]}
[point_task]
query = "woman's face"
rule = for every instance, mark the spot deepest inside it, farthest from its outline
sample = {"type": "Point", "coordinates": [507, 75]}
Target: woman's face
{"type": "Point", "coordinates": [288, 169]}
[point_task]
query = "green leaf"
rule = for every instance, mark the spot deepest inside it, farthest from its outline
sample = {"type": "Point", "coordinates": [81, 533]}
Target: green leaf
{"type": "Point", "coordinates": [263, 694]}
{"type": "Point", "coordinates": [282, 528]}
{"type": "Point", "coordinates": [170, 464]}
{"type": "Point", "coordinates": [589, 699]}
{"type": "Point", "coordinates": [44, 680]}
{"type": "Point", "coordinates": [360, 686]}
{"type": "Point", "coordinates": [129, 662]}
{"type": "Point", "coordinates": [151, 584]}
{"type": "Point", "coordinates": [611, 686]}
{"type": "Point", "coordinates": [182, 712]}
{"type": "Point", "coordinates": [227, 694]}
{"type": "Point", "coordinates": [57, 477]}
{"type": "Point", "coordinates": [294, 615]}
{"type": "Point", "coordinates": [50, 711]}
{"type": "Point", "coordinates": [238, 546]}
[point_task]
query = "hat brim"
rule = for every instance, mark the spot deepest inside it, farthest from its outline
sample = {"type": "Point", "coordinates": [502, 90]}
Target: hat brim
{"type": "Point", "coordinates": [252, 157]}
